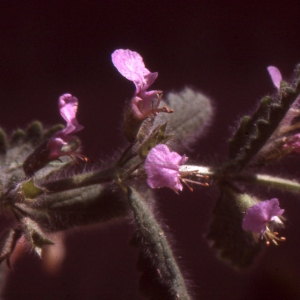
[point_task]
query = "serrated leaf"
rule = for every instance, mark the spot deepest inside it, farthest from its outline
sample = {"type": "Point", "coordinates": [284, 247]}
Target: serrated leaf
{"type": "Point", "coordinates": [192, 114]}
{"type": "Point", "coordinates": [261, 126]}
{"type": "Point", "coordinates": [232, 243]}
{"type": "Point", "coordinates": [248, 127]}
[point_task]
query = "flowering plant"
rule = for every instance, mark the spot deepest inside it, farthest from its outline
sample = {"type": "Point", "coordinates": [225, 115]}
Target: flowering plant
{"type": "Point", "coordinates": [40, 196]}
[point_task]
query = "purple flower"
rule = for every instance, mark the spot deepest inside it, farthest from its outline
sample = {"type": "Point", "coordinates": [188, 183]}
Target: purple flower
{"type": "Point", "coordinates": [275, 76]}
{"type": "Point", "coordinates": [61, 143]}
{"type": "Point", "coordinates": [130, 64]}
{"type": "Point", "coordinates": [261, 217]}
{"type": "Point", "coordinates": [68, 106]}
{"type": "Point", "coordinates": [162, 168]}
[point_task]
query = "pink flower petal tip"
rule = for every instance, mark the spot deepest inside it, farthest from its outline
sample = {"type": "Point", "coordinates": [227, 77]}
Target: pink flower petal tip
{"type": "Point", "coordinates": [130, 64]}
{"type": "Point", "coordinates": [275, 76]}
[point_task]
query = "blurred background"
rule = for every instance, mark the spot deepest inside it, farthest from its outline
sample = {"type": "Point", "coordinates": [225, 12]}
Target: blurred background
{"type": "Point", "coordinates": [221, 48]}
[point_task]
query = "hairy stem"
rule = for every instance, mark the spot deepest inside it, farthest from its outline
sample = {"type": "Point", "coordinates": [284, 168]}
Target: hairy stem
{"type": "Point", "coordinates": [271, 181]}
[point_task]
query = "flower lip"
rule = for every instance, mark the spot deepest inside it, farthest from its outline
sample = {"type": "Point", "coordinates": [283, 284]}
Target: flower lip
{"type": "Point", "coordinates": [131, 65]}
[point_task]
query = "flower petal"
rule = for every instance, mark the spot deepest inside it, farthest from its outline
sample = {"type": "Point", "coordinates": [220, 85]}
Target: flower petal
{"type": "Point", "coordinates": [68, 108]}
{"type": "Point", "coordinates": [259, 215]}
{"type": "Point", "coordinates": [275, 76]}
{"type": "Point", "coordinates": [130, 64]}
{"type": "Point", "coordinates": [162, 167]}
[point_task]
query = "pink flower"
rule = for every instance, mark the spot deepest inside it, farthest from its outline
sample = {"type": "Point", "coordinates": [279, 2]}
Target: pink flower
{"type": "Point", "coordinates": [293, 144]}
{"type": "Point", "coordinates": [68, 106]}
{"type": "Point", "coordinates": [62, 143]}
{"type": "Point", "coordinates": [261, 217]}
{"type": "Point", "coordinates": [275, 76]}
{"type": "Point", "coordinates": [130, 64]}
{"type": "Point", "coordinates": [162, 168]}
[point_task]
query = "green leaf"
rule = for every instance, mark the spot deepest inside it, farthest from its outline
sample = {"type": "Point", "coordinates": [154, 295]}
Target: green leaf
{"type": "Point", "coordinates": [192, 114]}
{"type": "Point", "coordinates": [8, 241]}
{"type": "Point", "coordinates": [51, 131]}
{"type": "Point", "coordinates": [17, 137]}
{"type": "Point", "coordinates": [232, 243]}
{"type": "Point", "coordinates": [261, 126]}
{"type": "Point", "coordinates": [34, 132]}
{"type": "Point", "coordinates": [3, 142]}
{"type": "Point", "coordinates": [30, 190]}
{"type": "Point", "coordinates": [82, 206]}
{"type": "Point", "coordinates": [156, 137]}
{"type": "Point", "coordinates": [34, 235]}
{"type": "Point", "coordinates": [161, 277]}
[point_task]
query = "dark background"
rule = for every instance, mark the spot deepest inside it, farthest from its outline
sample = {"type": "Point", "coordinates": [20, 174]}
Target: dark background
{"type": "Point", "coordinates": [221, 48]}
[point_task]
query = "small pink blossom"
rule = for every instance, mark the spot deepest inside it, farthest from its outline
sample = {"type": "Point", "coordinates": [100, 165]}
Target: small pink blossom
{"type": "Point", "coordinates": [260, 217]}
{"type": "Point", "coordinates": [162, 168]}
{"type": "Point", "coordinates": [130, 64]}
{"type": "Point", "coordinates": [61, 143]}
{"type": "Point", "coordinates": [293, 144]}
{"type": "Point", "coordinates": [68, 106]}
{"type": "Point", "coordinates": [275, 76]}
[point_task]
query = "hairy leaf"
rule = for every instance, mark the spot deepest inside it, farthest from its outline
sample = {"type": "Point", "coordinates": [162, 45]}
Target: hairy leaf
{"type": "Point", "coordinates": [82, 206]}
{"type": "Point", "coordinates": [161, 277]}
{"type": "Point", "coordinates": [253, 134]}
{"type": "Point", "coordinates": [192, 114]}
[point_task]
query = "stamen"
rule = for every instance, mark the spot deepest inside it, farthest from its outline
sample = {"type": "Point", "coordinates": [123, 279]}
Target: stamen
{"type": "Point", "coordinates": [82, 157]}
{"type": "Point", "coordinates": [195, 182]}
{"type": "Point", "coordinates": [272, 237]}
{"type": "Point", "coordinates": [185, 182]}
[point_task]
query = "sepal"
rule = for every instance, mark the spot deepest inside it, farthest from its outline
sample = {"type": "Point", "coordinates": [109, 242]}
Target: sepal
{"type": "Point", "coordinates": [8, 241]}
{"type": "Point", "coordinates": [157, 136]}
{"type": "Point", "coordinates": [34, 235]}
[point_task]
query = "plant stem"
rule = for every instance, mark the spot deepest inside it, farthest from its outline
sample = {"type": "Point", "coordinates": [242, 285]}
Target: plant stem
{"type": "Point", "coordinates": [271, 181]}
